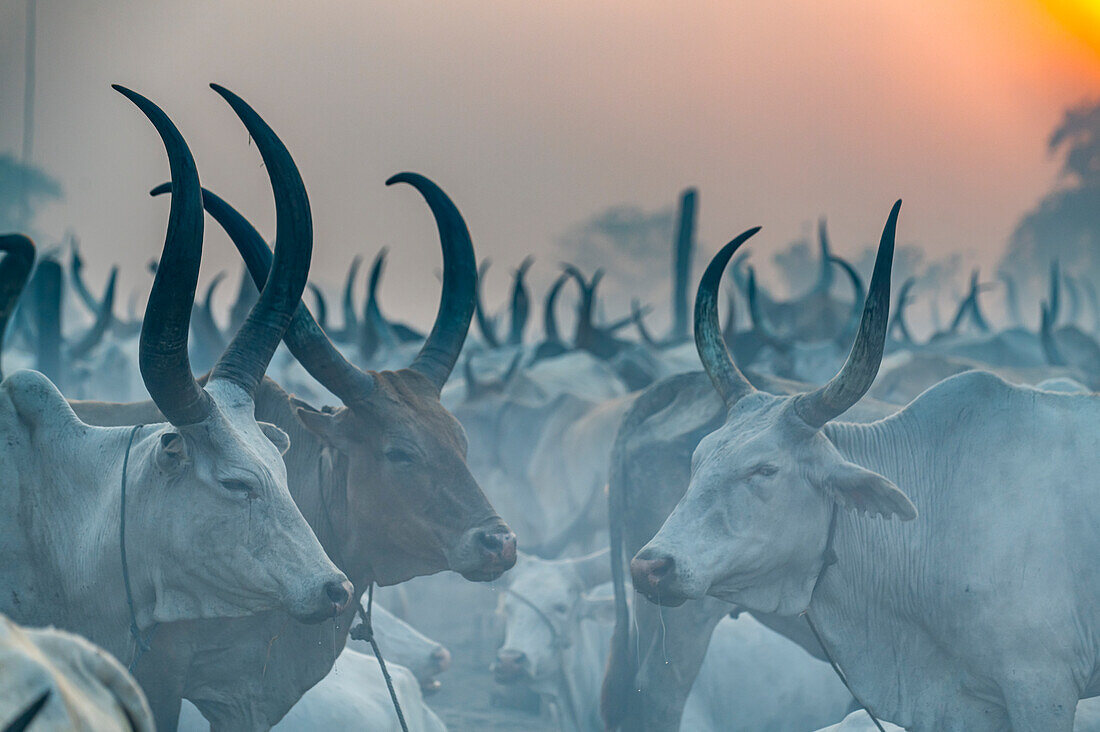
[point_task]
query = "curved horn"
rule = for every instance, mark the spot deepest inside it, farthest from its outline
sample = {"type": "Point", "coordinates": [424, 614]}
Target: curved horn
{"type": "Point", "coordinates": [377, 267]}
{"type": "Point", "coordinates": [825, 279]}
{"type": "Point", "coordinates": [48, 313]}
{"type": "Point", "coordinates": [247, 296]}
{"type": "Point", "coordinates": [1073, 295]}
{"type": "Point", "coordinates": [103, 318]}
{"type": "Point", "coordinates": [351, 320]}
{"type": "Point", "coordinates": [513, 368]}
{"type": "Point", "coordinates": [485, 323]}
{"type": "Point", "coordinates": [23, 720]}
{"type": "Point", "coordinates": [304, 338]}
{"type": "Point", "coordinates": [245, 360]}
{"type": "Point", "coordinates": [681, 265]}
{"type": "Point", "coordinates": [1046, 338]}
{"type": "Point", "coordinates": [521, 302]}
{"type": "Point", "coordinates": [964, 306]}
{"type": "Point", "coordinates": [1012, 298]}
{"type": "Point", "coordinates": [162, 355]}
{"type": "Point", "coordinates": [759, 322]}
{"type": "Point", "coordinates": [975, 303]}
{"type": "Point", "coordinates": [859, 371]}
{"type": "Point", "coordinates": [899, 310]}
{"type": "Point", "coordinates": [440, 351]}
{"type": "Point", "coordinates": [375, 331]}
{"type": "Point", "coordinates": [637, 315]}
{"type": "Point", "coordinates": [472, 387]}
{"type": "Point", "coordinates": [320, 304]}
{"type": "Point", "coordinates": [15, 271]}
{"type": "Point", "coordinates": [858, 297]}
{"type": "Point", "coordinates": [1094, 303]}
{"type": "Point", "coordinates": [729, 330]}
{"type": "Point", "coordinates": [208, 298]}
{"type": "Point", "coordinates": [549, 317]}
{"type": "Point", "coordinates": [1054, 299]}
{"type": "Point", "coordinates": [723, 372]}
{"type": "Point", "coordinates": [209, 341]}
{"type": "Point", "coordinates": [76, 275]}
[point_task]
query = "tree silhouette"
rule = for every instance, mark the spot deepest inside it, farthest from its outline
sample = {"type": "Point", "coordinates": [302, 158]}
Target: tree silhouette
{"type": "Point", "coordinates": [1065, 225]}
{"type": "Point", "coordinates": [23, 188]}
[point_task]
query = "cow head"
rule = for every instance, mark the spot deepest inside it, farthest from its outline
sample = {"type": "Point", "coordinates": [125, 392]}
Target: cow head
{"type": "Point", "coordinates": [542, 608]}
{"type": "Point", "coordinates": [411, 506]}
{"type": "Point", "coordinates": [408, 505]}
{"type": "Point", "coordinates": [220, 533]}
{"type": "Point", "coordinates": [753, 526]}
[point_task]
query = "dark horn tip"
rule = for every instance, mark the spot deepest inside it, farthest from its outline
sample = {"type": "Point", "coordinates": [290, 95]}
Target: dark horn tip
{"type": "Point", "coordinates": [403, 178]}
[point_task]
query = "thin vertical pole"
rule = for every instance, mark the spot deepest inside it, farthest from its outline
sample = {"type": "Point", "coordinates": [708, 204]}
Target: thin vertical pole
{"type": "Point", "coordinates": [28, 109]}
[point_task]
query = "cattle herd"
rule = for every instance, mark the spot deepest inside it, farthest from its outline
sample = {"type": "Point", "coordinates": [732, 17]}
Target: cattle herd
{"type": "Point", "coordinates": [802, 518]}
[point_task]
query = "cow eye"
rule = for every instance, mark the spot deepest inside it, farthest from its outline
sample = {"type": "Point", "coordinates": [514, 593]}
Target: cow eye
{"type": "Point", "coordinates": [561, 608]}
{"type": "Point", "coordinates": [238, 486]}
{"type": "Point", "coordinates": [399, 456]}
{"type": "Point", "coordinates": [767, 470]}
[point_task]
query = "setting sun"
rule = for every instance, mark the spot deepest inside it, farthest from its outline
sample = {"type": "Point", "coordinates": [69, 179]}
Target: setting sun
{"type": "Point", "coordinates": [1080, 17]}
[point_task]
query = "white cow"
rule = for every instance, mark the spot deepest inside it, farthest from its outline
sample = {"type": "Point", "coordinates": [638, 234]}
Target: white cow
{"type": "Point", "coordinates": [211, 529]}
{"type": "Point", "coordinates": [352, 696]}
{"type": "Point", "coordinates": [558, 627]}
{"type": "Point", "coordinates": [87, 688]}
{"type": "Point", "coordinates": [1087, 720]}
{"type": "Point", "coordinates": [976, 609]}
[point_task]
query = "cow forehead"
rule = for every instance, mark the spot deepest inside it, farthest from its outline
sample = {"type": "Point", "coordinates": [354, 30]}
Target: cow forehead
{"type": "Point", "coordinates": [232, 434]}
{"type": "Point", "coordinates": [406, 400]}
{"type": "Point", "coordinates": [747, 429]}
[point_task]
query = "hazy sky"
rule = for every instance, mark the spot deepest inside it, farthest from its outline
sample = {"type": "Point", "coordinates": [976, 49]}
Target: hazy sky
{"type": "Point", "coordinates": [536, 115]}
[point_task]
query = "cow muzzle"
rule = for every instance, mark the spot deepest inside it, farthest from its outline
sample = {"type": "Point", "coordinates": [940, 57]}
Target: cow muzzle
{"type": "Point", "coordinates": [511, 667]}
{"type": "Point", "coordinates": [438, 661]}
{"type": "Point", "coordinates": [485, 553]}
{"type": "Point", "coordinates": [654, 575]}
{"type": "Point", "coordinates": [333, 599]}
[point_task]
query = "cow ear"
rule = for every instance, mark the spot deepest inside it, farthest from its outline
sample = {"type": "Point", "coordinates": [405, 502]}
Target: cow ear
{"type": "Point", "coordinates": [860, 489]}
{"type": "Point", "coordinates": [321, 424]}
{"type": "Point", "coordinates": [279, 439]}
{"type": "Point", "coordinates": [173, 450]}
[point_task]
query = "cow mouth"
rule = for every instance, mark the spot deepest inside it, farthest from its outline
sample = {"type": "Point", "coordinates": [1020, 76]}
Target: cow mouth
{"type": "Point", "coordinates": [511, 675]}
{"type": "Point", "coordinates": [486, 574]}
{"type": "Point", "coordinates": [665, 598]}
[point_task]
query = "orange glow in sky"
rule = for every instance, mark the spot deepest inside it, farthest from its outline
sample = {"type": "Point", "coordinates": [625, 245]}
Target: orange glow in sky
{"type": "Point", "coordinates": [1080, 17]}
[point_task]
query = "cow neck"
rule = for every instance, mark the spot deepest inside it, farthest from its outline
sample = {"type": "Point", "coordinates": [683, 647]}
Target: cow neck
{"type": "Point", "coordinates": [846, 594]}
{"type": "Point", "coordinates": [141, 643]}
{"type": "Point", "coordinates": [316, 475]}
{"type": "Point", "coordinates": [92, 549]}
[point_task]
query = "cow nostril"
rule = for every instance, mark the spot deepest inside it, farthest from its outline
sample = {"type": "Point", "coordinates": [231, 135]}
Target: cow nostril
{"type": "Point", "coordinates": [511, 658]}
{"type": "Point", "coordinates": [499, 543]}
{"type": "Point", "coordinates": [651, 573]}
{"type": "Point", "coordinates": [338, 593]}
{"type": "Point", "coordinates": [661, 567]}
{"type": "Point", "coordinates": [491, 540]}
